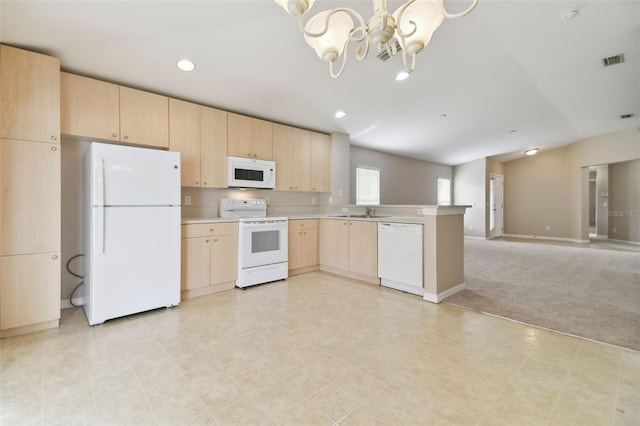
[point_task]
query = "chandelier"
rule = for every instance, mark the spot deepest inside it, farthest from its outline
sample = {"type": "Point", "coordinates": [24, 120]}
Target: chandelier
{"type": "Point", "coordinates": [407, 30]}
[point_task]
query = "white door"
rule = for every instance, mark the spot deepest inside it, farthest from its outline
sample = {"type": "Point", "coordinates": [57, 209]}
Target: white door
{"type": "Point", "coordinates": [131, 176]}
{"type": "Point", "coordinates": [496, 206]}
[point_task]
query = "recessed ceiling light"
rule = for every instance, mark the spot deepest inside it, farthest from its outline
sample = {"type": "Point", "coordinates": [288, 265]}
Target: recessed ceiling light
{"type": "Point", "coordinates": [339, 114]}
{"type": "Point", "coordinates": [186, 65]}
{"type": "Point", "coordinates": [512, 131]}
{"type": "Point", "coordinates": [443, 115]}
{"type": "Point", "coordinates": [568, 15]}
{"type": "Point", "coordinates": [402, 75]}
{"type": "Point", "coordinates": [532, 151]}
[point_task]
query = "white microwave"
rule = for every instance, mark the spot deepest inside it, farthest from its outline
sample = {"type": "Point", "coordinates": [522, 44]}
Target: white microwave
{"type": "Point", "coordinates": [249, 173]}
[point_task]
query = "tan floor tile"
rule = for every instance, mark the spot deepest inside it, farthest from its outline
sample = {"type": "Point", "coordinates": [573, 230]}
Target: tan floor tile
{"type": "Point", "coordinates": [242, 413]}
{"type": "Point", "coordinates": [132, 409]}
{"type": "Point", "coordinates": [32, 417]}
{"type": "Point", "coordinates": [333, 401]}
{"type": "Point", "coordinates": [301, 414]}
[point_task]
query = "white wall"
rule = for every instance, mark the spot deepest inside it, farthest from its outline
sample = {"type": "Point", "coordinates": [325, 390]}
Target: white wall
{"type": "Point", "coordinates": [602, 201]}
{"type": "Point", "coordinates": [469, 188]}
{"type": "Point", "coordinates": [402, 180]}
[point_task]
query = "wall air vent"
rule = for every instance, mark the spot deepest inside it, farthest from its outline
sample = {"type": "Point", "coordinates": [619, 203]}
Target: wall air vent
{"type": "Point", "coordinates": [613, 60]}
{"type": "Point", "coordinates": [623, 116]}
{"type": "Point", "coordinates": [384, 55]}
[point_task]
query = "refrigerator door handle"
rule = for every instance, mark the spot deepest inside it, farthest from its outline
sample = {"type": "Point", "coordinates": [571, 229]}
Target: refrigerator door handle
{"type": "Point", "coordinates": [99, 190]}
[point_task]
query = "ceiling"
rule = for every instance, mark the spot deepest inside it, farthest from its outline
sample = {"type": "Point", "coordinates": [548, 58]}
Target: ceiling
{"type": "Point", "coordinates": [509, 76]}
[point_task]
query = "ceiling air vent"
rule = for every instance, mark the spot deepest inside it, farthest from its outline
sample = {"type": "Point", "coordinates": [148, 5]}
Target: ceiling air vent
{"type": "Point", "coordinates": [384, 54]}
{"type": "Point", "coordinates": [623, 116]}
{"type": "Point", "coordinates": [613, 60]}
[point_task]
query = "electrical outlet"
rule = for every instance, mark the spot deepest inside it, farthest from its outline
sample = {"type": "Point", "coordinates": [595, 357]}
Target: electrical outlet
{"type": "Point", "coordinates": [548, 228]}
{"type": "Point", "coordinates": [345, 210]}
{"type": "Point", "coordinates": [313, 201]}
{"type": "Point", "coordinates": [614, 230]}
{"type": "Point", "coordinates": [470, 227]}
{"type": "Point", "coordinates": [339, 192]}
{"type": "Point", "coordinates": [187, 200]}
{"type": "Point", "coordinates": [330, 200]}
{"type": "Point", "coordinates": [419, 211]}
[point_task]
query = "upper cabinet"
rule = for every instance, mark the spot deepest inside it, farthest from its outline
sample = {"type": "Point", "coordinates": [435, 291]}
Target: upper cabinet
{"type": "Point", "coordinates": [292, 153]}
{"type": "Point", "coordinates": [321, 162]}
{"type": "Point", "coordinates": [250, 137]}
{"type": "Point", "coordinates": [29, 95]}
{"type": "Point", "coordinates": [200, 135]}
{"type": "Point", "coordinates": [96, 109]}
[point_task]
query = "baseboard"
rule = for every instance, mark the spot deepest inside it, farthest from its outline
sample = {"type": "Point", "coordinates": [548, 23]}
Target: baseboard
{"type": "Point", "coordinates": [468, 237]}
{"type": "Point", "coordinates": [437, 298]}
{"type": "Point", "coordinates": [66, 304]}
{"type": "Point", "coordinates": [635, 243]}
{"type": "Point", "coordinates": [539, 237]}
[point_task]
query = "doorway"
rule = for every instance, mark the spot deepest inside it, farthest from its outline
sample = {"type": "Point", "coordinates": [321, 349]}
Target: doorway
{"type": "Point", "coordinates": [496, 205]}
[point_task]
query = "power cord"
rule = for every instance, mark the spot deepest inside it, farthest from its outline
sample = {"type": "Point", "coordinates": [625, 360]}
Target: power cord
{"type": "Point", "coordinates": [75, 275]}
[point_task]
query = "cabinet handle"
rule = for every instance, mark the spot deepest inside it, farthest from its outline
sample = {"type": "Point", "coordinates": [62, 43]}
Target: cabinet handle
{"type": "Point", "coordinates": [249, 155]}
{"type": "Point", "coordinates": [215, 240]}
{"type": "Point", "coordinates": [54, 257]}
{"type": "Point", "coordinates": [126, 137]}
{"type": "Point", "coordinates": [204, 183]}
{"type": "Point", "coordinates": [197, 183]}
{"type": "Point", "coordinates": [54, 148]}
{"type": "Point", "coordinates": [114, 135]}
{"type": "Point", "coordinates": [206, 241]}
{"type": "Point", "coordinates": [53, 138]}
{"type": "Point", "coordinates": [211, 230]}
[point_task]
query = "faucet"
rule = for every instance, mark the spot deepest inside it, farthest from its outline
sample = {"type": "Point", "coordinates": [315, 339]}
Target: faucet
{"type": "Point", "coordinates": [370, 211]}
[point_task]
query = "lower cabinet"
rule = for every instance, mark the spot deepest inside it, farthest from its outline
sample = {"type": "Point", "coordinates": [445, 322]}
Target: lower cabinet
{"type": "Point", "coordinates": [209, 258]}
{"type": "Point", "coordinates": [30, 293]}
{"type": "Point", "coordinates": [303, 246]}
{"type": "Point", "coordinates": [350, 247]}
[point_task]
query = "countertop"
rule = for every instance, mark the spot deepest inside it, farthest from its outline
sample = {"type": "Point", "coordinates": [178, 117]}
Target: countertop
{"type": "Point", "coordinates": [400, 219]}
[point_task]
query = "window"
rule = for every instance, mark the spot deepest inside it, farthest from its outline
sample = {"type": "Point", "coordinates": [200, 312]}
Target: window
{"type": "Point", "coordinates": [367, 186]}
{"type": "Point", "coordinates": [444, 191]}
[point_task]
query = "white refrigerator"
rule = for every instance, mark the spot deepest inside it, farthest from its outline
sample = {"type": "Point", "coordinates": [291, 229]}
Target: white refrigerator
{"type": "Point", "coordinates": [132, 230]}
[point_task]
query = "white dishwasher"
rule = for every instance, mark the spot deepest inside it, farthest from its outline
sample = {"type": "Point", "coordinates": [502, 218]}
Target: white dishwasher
{"type": "Point", "coordinates": [400, 256]}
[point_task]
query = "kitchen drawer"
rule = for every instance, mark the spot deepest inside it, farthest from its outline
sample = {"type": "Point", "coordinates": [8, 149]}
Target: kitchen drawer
{"type": "Point", "coordinates": [301, 224]}
{"type": "Point", "coordinates": [208, 229]}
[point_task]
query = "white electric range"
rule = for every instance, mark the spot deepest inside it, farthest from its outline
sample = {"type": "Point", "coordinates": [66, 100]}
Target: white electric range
{"type": "Point", "coordinates": [263, 246]}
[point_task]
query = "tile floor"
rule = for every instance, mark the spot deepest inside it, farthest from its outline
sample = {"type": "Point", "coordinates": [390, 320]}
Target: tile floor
{"type": "Point", "coordinates": [314, 350]}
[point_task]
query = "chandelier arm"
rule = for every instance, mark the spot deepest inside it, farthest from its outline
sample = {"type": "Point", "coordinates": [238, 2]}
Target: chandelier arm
{"type": "Point", "coordinates": [404, 61]}
{"type": "Point", "coordinates": [399, 31]}
{"type": "Point", "coordinates": [354, 15]}
{"type": "Point", "coordinates": [344, 62]}
{"type": "Point", "coordinates": [461, 14]}
{"type": "Point", "coordinates": [362, 51]}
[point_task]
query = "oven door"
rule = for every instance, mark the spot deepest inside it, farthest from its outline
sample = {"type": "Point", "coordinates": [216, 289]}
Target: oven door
{"type": "Point", "coordinates": [262, 243]}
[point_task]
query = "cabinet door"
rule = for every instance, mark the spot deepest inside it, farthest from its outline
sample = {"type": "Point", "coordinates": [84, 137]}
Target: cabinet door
{"type": "Point", "coordinates": [184, 137]}
{"type": "Point", "coordinates": [196, 257]}
{"type": "Point", "coordinates": [363, 248]}
{"type": "Point", "coordinates": [294, 237]}
{"type": "Point", "coordinates": [29, 95]}
{"type": "Point", "coordinates": [283, 156]}
{"type": "Point", "coordinates": [239, 136]}
{"type": "Point", "coordinates": [224, 258]}
{"type": "Point", "coordinates": [308, 248]}
{"type": "Point", "coordinates": [89, 107]}
{"type": "Point", "coordinates": [30, 288]}
{"type": "Point", "coordinates": [213, 134]}
{"type": "Point", "coordinates": [261, 139]}
{"type": "Point", "coordinates": [320, 162]}
{"type": "Point", "coordinates": [30, 197]}
{"type": "Point", "coordinates": [334, 243]}
{"type": "Point", "coordinates": [144, 118]}
{"type": "Point", "coordinates": [301, 160]}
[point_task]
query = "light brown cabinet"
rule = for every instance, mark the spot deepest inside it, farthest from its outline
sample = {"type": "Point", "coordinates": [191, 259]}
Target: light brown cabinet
{"type": "Point", "coordinates": [292, 154]}
{"type": "Point", "coordinates": [303, 245]}
{"type": "Point", "coordinates": [101, 110]}
{"type": "Point", "coordinates": [30, 288]}
{"type": "Point", "coordinates": [209, 258]}
{"type": "Point", "coordinates": [250, 137]}
{"type": "Point", "coordinates": [29, 95]}
{"type": "Point", "coordinates": [320, 162]}
{"type": "Point", "coordinates": [350, 248]}
{"type": "Point", "coordinates": [29, 191]}
{"type": "Point", "coordinates": [200, 135]}
{"type": "Point", "coordinates": [30, 203]}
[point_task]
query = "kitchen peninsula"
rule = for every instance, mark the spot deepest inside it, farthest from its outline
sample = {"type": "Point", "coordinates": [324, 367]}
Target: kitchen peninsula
{"type": "Point", "coordinates": [442, 241]}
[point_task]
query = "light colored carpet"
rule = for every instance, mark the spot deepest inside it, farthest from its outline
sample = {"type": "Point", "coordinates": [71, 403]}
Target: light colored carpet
{"type": "Point", "coordinates": [588, 292]}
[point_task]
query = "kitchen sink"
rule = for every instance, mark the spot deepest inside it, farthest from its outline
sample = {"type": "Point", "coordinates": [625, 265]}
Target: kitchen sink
{"type": "Point", "coordinates": [360, 216]}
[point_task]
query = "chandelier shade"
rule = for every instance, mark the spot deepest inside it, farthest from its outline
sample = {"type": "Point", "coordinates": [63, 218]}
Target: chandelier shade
{"type": "Point", "coordinates": [412, 25]}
